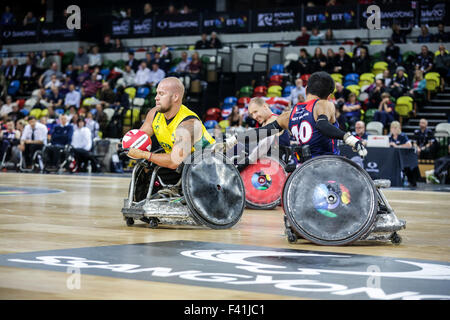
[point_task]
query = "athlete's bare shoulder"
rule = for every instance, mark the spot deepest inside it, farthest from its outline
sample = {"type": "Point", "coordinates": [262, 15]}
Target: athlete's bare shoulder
{"type": "Point", "coordinates": [325, 107]}
{"type": "Point", "coordinates": [147, 125]}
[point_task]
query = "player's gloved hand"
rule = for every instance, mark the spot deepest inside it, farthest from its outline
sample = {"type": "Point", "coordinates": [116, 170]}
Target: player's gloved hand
{"type": "Point", "coordinates": [230, 142]}
{"type": "Point", "coordinates": [356, 144]}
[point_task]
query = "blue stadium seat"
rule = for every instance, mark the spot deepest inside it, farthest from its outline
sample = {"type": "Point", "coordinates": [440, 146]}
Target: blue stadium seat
{"type": "Point", "coordinates": [230, 101]}
{"type": "Point", "coordinates": [210, 124]}
{"type": "Point", "coordinates": [351, 78]}
{"type": "Point", "coordinates": [277, 68]}
{"type": "Point", "coordinates": [287, 91]}
{"type": "Point", "coordinates": [13, 87]}
{"type": "Point", "coordinates": [142, 92]}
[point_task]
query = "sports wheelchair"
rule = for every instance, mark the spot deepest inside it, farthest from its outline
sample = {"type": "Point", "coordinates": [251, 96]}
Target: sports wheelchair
{"type": "Point", "coordinates": [205, 191]}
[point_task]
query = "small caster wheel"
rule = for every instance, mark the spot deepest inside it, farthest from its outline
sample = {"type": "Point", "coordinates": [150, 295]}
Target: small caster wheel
{"type": "Point", "coordinates": [153, 223]}
{"type": "Point", "coordinates": [130, 221]}
{"type": "Point", "coordinates": [395, 238]}
{"type": "Point", "coordinates": [291, 237]}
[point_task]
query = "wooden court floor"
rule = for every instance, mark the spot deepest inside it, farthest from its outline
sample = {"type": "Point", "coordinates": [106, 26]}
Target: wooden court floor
{"type": "Point", "coordinates": [87, 214]}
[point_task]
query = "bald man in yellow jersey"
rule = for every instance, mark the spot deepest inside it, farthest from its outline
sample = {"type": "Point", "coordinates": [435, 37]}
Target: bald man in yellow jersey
{"type": "Point", "coordinates": [178, 130]}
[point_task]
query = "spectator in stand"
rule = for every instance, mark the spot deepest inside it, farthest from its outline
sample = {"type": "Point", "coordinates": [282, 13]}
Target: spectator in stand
{"type": "Point", "coordinates": [107, 95]}
{"type": "Point", "coordinates": [33, 138]}
{"type": "Point", "coordinates": [424, 61]}
{"type": "Point", "coordinates": [56, 101]}
{"type": "Point", "coordinates": [441, 35]}
{"type": "Point", "coordinates": [362, 62]}
{"type": "Point", "coordinates": [398, 35]}
{"type": "Point", "coordinates": [295, 92]}
{"type": "Point", "coordinates": [148, 59]}
{"type": "Point", "coordinates": [15, 114]}
{"type": "Point", "coordinates": [101, 118]}
{"type": "Point", "coordinates": [340, 118]}
{"type": "Point", "coordinates": [441, 167]}
{"type": "Point", "coordinates": [182, 66]}
{"type": "Point", "coordinates": [8, 18]}
{"type": "Point", "coordinates": [397, 139]}
{"type": "Point", "coordinates": [72, 98]}
{"type": "Point", "coordinates": [343, 62]}
{"type": "Point", "coordinates": [54, 82]}
{"type": "Point", "coordinates": [360, 132]}
{"type": "Point", "coordinates": [386, 110]}
{"type": "Point", "coordinates": [352, 110]}
{"type": "Point", "coordinates": [92, 125]}
{"type": "Point", "coordinates": [341, 93]}
{"type": "Point", "coordinates": [29, 19]}
{"type": "Point", "coordinates": [171, 10]}
{"type": "Point", "coordinates": [203, 43]}
{"type": "Point", "coordinates": [303, 39]}
{"type": "Point", "coordinates": [442, 65]}
{"type": "Point", "coordinates": [155, 75]}
{"type": "Point", "coordinates": [419, 88]}
{"type": "Point", "coordinates": [148, 10]}
{"type": "Point", "coordinates": [43, 62]}
{"type": "Point", "coordinates": [304, 62]}
{"type": "Point", "coordinates": [214, 42]}
{"type": "Point", "coordinates": [195, 67]}
{"type": "Point", "coordinates": [331, 56]}
{"type": "Point", "coordinates": [400, 84]}
{"type": "Point", "coordinates": [61, 135]}
{"type": "Point", "coordinates": [70, 76]}
{"type": "Point", "coordinates": [132, 62]}
{"type": "Point", "coordinates": [165, 54]}
{"type": "Point", "coordinates": [80, 59]}
{"type": "Point", "coordinates": [28, 74]}
{"type": "Point", "coordinates": [7, 108]}
{"type": "Point", "coordinates": [235, 117]}
{"type": "Point", "coordinates": [424, 141]}
{"type": "Point", "coordinates": [160, 61]}
{"type": "Point", "coordinates": [318, 61]}
{"type": "Point", "coordinates": [8, 137]}
{"type": "Point", "coordinates": [122, 99]}
{"type": "Point", "coordinates": [375, 94]}
{"type": "Point", "coordinates": [128, 77]}
{"type": "Point", "coordinates": [82, 144]}
{"type": "Point", "coordinates": [316, 38]}
{"type": "Point", "coordinates": [425, 36]}
{"type": "Point", "coordinates": [95, 58]}
{"type": "Point", "coordinates": [117, 46]}
{"type": "Point", "coordinates": [387, 78]}
{"type": "Point", "coordinates": [358, 46]}
{"type": "Point", "coordinates": [153, 51]}
{"type": "Point", "coordinates": [185, 10]}
{"type": "Point", "coordinates": [142, 75]}
{"type": "Point", "coordinates": [12, 72]}
{"type": "Point", "coordinates": [392, 55]}
{"type": "Point", "coordinates": [91, 86]}
{"type": "Point", "coordinates": [46, 77]}
{"type": "Point", "coordinates": [84, 75]}
{"type": "Point", "coordinates": [329, 38]}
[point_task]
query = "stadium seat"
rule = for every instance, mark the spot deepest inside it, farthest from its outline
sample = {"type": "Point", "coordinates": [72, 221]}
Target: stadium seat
{"type": "Point", "coordinates": [131, 92]}
{"type": "Point", "coordinates": [379, 67]}
{"type": "Point", "coordinates": [59, 111]}
{"type": "Point", "coordinates": [363, 83]}
{"type": "Point", "coordinates": [350, 54]}
{"type": "Point", "coordinates": [287, 91]}
{"type": "Point", "coordinates": [246, 91]}
{"type": "Point", "coordinates": [377, 56]}
{"type": "Point", "coordinates": [109, 113]}
{"type": "Point", "coordinates": [374, 127]}
{"type": "Point", "coordinates": [354, 88]}
{"type": "Point", "coordinates": [274, 91]}
{"type": "Point", "coordinates": [138, 102]}
{"type": "Point", "coordinates": [404, 105]}
{"type": "Point", "coordinates": [367, 76]}
{"type": "Point", "coordinates": [351, 78]}
{"type": "Point", "coordinates": [276, 79]}
{"type": "Point", "coordinates": [108, 64]}
{"type": "Point", "coordinates": [105, 73]}
{"type": "Point", "coordinates": [120, 64]}
{"type": "Point", "coordinates": [35, 113]}
{"type": "Point", "coordinates": [67, 58]}
{"type": "Point", "coordinates": [13, 87]}
{"type": "Point", "coordinates": [409, 56]}
{"type": "Point", "coordinates": [375, 42]}
{"type": "Point", "coordinates": [290, 57]}
{"type": "Point", "coordinates": [127, 118]}
{"type": "Point", "coordinates": [439, 52]}
{"type": "Point", "coordinates": [230, 101]}
{"type": "Point", "coordinates": [142, 92]}
{"type": "Point", "coordinates": [442, 130]}
{"type": "Point", "coordinates": [260, 91]}
{"type": "Point", "coordinates": [243, 102]}
{"type": "Point", "coordinates": [210, 124]}
{"type": "Point", "coordinates": [337, 77]}
{"type": "Point", "coordinates": [277, 68]}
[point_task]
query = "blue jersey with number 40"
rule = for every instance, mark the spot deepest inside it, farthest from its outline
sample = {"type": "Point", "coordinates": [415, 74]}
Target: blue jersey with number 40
{"type": "Point", "coordinates": [303, 127]}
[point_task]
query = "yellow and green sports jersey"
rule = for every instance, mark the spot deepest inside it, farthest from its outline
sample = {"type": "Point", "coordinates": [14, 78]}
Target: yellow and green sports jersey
{"type": "Point", "coordinates": [165, 132]}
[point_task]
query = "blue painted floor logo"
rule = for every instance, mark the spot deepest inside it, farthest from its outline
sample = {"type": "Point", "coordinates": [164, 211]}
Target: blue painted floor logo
{"type": "Point", "coordinates": [18, 191]}
{"type": "Point", "coordinates": [300, 273]}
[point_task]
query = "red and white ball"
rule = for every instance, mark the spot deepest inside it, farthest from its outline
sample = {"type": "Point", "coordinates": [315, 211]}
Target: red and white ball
{"type": "Point", "coordinates": [137, 139]}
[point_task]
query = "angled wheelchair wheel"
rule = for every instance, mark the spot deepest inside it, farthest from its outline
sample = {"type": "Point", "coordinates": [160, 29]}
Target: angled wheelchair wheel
{"type": "Point", "coordinates": [330, 200]}
{"type": "Point", "coordinates": [213, 190]}
{"type": "Point", "coordinates": [263, 182]}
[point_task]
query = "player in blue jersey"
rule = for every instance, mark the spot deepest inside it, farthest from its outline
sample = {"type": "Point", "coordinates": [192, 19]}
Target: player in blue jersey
{"type": "Point", "coordinates": [313, 122]}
